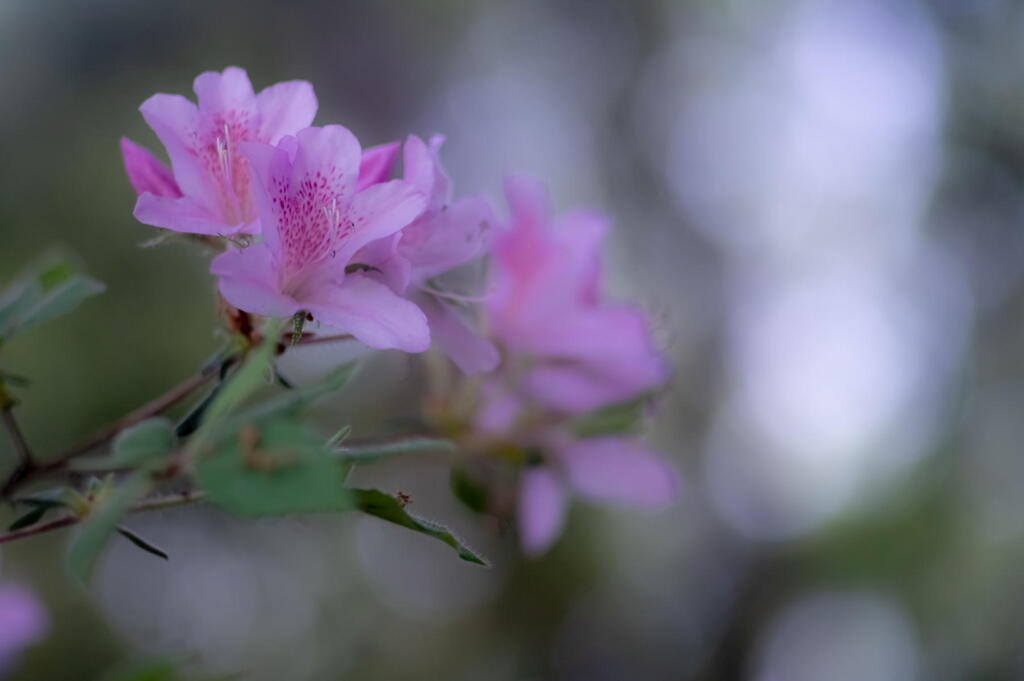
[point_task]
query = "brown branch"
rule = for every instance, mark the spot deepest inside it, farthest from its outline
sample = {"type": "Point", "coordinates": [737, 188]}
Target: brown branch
{"type": "Point", "coordinates": [24, 465]}
{"type": "Point", "coordinates": [152, 408]}
{"type": "Point", "coordinates": [154, 504]}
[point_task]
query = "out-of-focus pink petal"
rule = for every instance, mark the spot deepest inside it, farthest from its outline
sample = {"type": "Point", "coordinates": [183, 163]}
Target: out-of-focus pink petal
{"type": "Point", "coordinates": [422, 169]}
{"type": "Point", "coordinates": [285, 108]}
{"type": "Point", "coordinates": [435, 244]}
{"type": "Point", "coordinates": [371, 312]}
{"type": "Point", "coordinates": [620, 470]}
{"type": "Point", "coordinates": [22, 622]}
{"type": "Point", "coordinates": [541, 510]}
{"type": "Point", "coordinates": [219, 93]}
{"type": "Point", "coordinates": [499, 407]}
{"type": "Point", "coordinates": [146, 173]}
{"type": "Point", "coordinates": [246, 280]}
{"type": "Point", "coordinates": [376, 164]}
{"type": "Point", "coordinates": [181, 215]}
{"type": "Point", "coordinates": [379, 211]}
{"type": "Point", "coordinates": [528, 201]}
{"type": "Point", "coordinates": [470, 351]}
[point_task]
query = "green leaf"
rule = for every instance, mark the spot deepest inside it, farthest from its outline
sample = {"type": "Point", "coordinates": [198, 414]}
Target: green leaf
{"type": "Point", "coordinates": [239, 386]}
{"type": "Point", "coordinates": [415, 445]}
{"type": "Point", "coordinates": [143, 544]}
{"type": "Point", "coordinates": [339, 437]}
{"type": "Point", "coordinates": [468, 489]}
{"type": "Point", "coordinates": [101, 524]}
{"type": "Point", "coordinates": [615, 419]}
{"type": "Point", "coordinates": [386, 507]}
{"type": "Point", "coordinates": [297, 399]}
{"type": "Point", "coordinates": [48, 289]}
{"type": "Point", "coordinates": [30, 518]}
{"type": "Point", "coordinates": [142, 443]}
{"type": "Point", "coordinates": [275, 469]}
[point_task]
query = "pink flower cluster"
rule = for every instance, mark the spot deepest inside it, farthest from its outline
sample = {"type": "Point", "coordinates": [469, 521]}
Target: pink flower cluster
{"type": "Point", "coordinates": [312, 223]}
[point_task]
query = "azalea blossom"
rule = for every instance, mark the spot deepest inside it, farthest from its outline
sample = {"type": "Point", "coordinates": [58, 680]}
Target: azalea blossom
{"type": "Point", "coordinates": [22, 622]}
{"type": "Point", "coordinates": [568, 351]}
{"type": "Point", "coordinates": [210, 189]}
{"type": "Point", "coordinates": [448, 233]}
{"type": "Point", "coordinates": [314, 220]}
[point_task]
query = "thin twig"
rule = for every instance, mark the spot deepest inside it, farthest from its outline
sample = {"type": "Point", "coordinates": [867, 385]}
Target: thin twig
{"type": "Point", "coordinates": [152, 408]}
{"type": "Point", "coordinates": [154, 504]}
{"type": "Point", "coordinates": [21, 448]}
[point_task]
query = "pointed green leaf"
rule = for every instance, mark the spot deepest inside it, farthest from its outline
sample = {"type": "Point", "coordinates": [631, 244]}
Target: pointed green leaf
{"type": "Point", "coordinates": [102, 522]}
{"type": "Point", "coordinates": [274, 469]}
{"type": "Point", "coordinates": [468, 489]}
{"type": "Point", "coordinates": [339, 437]}
{"type": "Point", "coordinates": [415, 445]}
{"type": "Point", "coordinates": [296, 399]}
{"type": "Point", "coordinates": [47, 289]}
{"type": "Point", "coordinates": [30, 518]}
{"type": "Point", "coordinates": [143, 544]}
{"type": "Point", "coordinates": [615, 419]}
{"type": "Point", "coordinates": [386, 507]}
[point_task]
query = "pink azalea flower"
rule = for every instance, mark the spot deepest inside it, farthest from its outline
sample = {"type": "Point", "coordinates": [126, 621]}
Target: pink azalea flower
{"type": "Point", "coordinates": [568, 351]}
{"type": "Point", "coordinates": [314, 221]}
{"type": "Point", "coordinates": [448, 234]}
{"type": "Point", "coordinates": [22, 622]}
{"type": "Point", "coordinates": [585, 352]}
{"type": "Point", "coordinates": [210, 191]}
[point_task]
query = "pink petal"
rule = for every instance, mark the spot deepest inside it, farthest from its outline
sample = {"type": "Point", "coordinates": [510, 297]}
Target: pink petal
{"type": "Point", "coordinates": [541, 510]}
{"type": "Point", "coordinates": [182, 215]}
{"type": "Point", "coordinates": [146, 173]}
{"type": "Point", "coordinates": [379, 211]}
{"type": "Point", "coordinates": [334, 152]}
{"type": "Point", "coordinates": [527, 200]}
{"type": "Point", "coordinates": [389, 266]}
{"type": "Point", "coordinates": [371, 312]}
{"type": "Point", "coordinates": [285, 108]}
{"type": "Point", "coordinates": [422, 168]}
{"type": "Point", "coordinates": [247, 281]}
{"type": "Point", "coordinates": [175, 120]}
{"type": "Point", "coordinates": [499, 407]}
{"type": "Point", "coordinates": [463, 344]}
{"type": "Point", "coordinates": [438, 243]}
{"type": "Point", "coordinates": [376, 164]}
{"type": "Point", "coordinates": [219, 93]}
{"type": "Point", "coordinates": [620, 470]}
{"type": "Point", "coordinates": [22, 622]}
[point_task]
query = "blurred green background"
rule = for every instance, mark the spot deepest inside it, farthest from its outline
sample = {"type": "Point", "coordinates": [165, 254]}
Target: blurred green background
{"type": "Point", "coordinates": [819, 202]}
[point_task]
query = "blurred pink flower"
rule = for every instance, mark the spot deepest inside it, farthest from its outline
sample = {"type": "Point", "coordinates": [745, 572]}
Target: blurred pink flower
{"type": "Point", "coordinates": [211, 191]}
{"type": "Point", "coordinates": [567, 352]}
{"type": "Point", "coordinates": [584, 352]}
{"type": "Point", "coordinates": [448, 234]}
{"type": "Point", "coordinates": [22, 622]}
{"type": "Point", "coordinates": [314, 221]}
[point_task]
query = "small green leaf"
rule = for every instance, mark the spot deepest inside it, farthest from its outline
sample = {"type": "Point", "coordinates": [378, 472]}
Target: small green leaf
{"type": "Point", "coordinates": [468, 489]}
{"type": "Point", "coordinates": [386, 507]}
{"type": "Point", "coordinates": [415, 445]}
{"type": "Point", "coordinates": [143, 544]}
{"type": "Point", "coordinates": [48, 288]}
{"type": "Point", "coordinates": [278, 469]}
{"type": "Point", "coordinates": [50, 498]}
{"type": "Point", "coordinates": [151, 439]}
{"type": "Point", "coordinates": [30, 518]}
{"type": "Point", "coordinates": [297, 399]}
{"type": "Point", "coordinates": [615, 419]}
{"type": "Point", "coordinates": [101, 523]}
{"type": "Point", "coordinates": [338, 437]}
{"type": "Point", "coordinates": [243, 383]}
